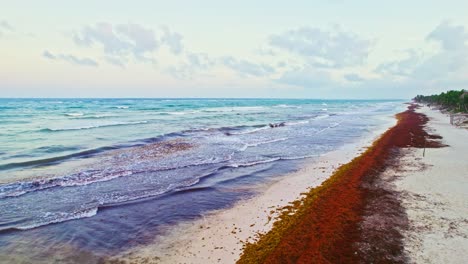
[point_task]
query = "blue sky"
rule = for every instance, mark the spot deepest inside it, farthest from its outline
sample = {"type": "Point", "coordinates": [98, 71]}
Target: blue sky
{"type": "Point", "coordinates": [293, 49]}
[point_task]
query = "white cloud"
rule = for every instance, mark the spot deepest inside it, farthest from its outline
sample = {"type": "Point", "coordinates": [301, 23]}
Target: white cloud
{"type": "Point", "coordinates": [322, 48]}
{"type": "Point", "coordinates": [401, 67]}
{"type": "Point", "coordinates": [451, 37]}
{"type": "Point", "coordinates": [247, 68]}
{"type": "Point", "coordinates": [194, 63]}
{"type": "Point", "coordinates": [173, 40]}
{"type": "Point", "coordinates": [122, 42]}
{"type": "Point", "coordinates": [70, 59]}
{"type": "Point", "coordinates": [139, 39]}
{"type": "Point", "coordinates": [443, 67]}
{"type": "Point", "coordinates": [306, 77]}
{"type": "Point", "coordinates": [5, 27]}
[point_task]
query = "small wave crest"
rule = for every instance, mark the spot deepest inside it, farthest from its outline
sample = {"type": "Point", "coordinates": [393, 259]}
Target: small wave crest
{"type": "Point", "coordinates": [253, 163]}
{"type": "Point", "coordinates": [288, 106]}
{"type": "Point", "coordinates": [250, 131]}
{"type": "Point", "coordinates": [93, 126]}
{"type": "Point", "coordinates": [81, 178]}
{"type": "Point", "coordinates": [74, 114]}
{"type": "Point", "coordinates": [269, 141]}
{"type": "Point", "coordinates": [58, 217]}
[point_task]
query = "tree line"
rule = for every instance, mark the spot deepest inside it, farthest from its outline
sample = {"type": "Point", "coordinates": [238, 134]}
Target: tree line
{"type": "Point", "coordinates": [455, 101]}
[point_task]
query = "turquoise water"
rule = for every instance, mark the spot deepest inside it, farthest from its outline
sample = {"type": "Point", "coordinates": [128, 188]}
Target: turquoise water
{"type": "Point", "coordinates": [73, 159]}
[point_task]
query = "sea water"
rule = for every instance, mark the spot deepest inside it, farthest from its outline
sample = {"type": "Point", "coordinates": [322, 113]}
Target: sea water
{"type": "Point", "coordinates": [104, 174]}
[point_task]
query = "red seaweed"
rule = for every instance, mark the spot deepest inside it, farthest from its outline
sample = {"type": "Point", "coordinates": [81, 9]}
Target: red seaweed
{"type": "Point", "coordinates": [327, 224]}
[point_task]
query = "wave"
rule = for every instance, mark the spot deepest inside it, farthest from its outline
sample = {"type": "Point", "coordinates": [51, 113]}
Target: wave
{"type": "Point", "coordinates": [92, 126]}
{"type": "Point", "coordinates": [265, 142]}
{"type": "Point", "coordinates": [93, 116]}
{"type": "Point", "coordinates": [332, 125]}
{"type": "Point", "coordinates": [288, 106]}
{"type": "Point", "coordinates": [300, 157]}
{"type": "Point", "coordinates": [180, 112]}
{"type": "Point", "coordinates": [52, 160]}
{"type": "Point", "coordinates": [297, 123]}
{"type": "Point", "coordinates": [253, 163]}
{"type": "Point", "coordinates": [121, 107]}
{"type": "Point", "coordinates": [249, 131]}
{"type": "Point", "coordinates": [56, 148]}
{"type": "Point", "coordinates": [93, 176]}
{"type": "Point", "coordinates": [74, 114]}
{"type": "Point", "coordinates": [82, 178]}
{"type": "Point", "coordinates": [116, 200]}
{"type": "Point", "coordinates": [53, 218]}
{"type": "Point", "coordinates": [322, 116]}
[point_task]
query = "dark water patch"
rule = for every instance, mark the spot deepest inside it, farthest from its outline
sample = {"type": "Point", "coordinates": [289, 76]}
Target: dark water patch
{"type": "Point", "coordinates": [55, 160]}
{"type": "Point", "coordinates": [56, 148]}
{"type": "Point", "coordinates": [122, 226]}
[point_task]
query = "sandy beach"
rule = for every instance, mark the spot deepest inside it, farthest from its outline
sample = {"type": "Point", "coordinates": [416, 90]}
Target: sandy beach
{"type": "Point", "coordinates": [435, 195]}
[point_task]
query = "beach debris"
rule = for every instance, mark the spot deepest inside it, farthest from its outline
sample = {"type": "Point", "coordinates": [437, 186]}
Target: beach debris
{"type": "Point", "coordinates": [273, 125]}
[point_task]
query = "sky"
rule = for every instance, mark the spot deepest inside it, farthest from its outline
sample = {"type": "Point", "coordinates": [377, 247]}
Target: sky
{"type": "Point", "coordinates": [335, 49]}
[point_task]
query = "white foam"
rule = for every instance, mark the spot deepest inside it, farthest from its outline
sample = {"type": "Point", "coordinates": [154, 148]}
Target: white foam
{"type": "Point", "coordinates": [253, 163]}
{"type": "Point", "coordinates": [266, 142]}
{"type": "Point", "coordinates": [74, 114]}
{"type": "Point", "coordinates": [60, 217]}
{"type": "Point", "coordinates": [250, 131]}
{"type": "Point", "coordinates": [98, 126]}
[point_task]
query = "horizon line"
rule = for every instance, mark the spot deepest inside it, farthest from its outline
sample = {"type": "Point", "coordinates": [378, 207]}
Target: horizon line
{"type": "Point", "coordinates": [209, 98]}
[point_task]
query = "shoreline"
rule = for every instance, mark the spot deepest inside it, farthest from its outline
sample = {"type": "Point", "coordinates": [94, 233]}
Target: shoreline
{"type": "Point", "coordinates": [220, 236]}
{"type": "Point", "coordinates": [389, 205]}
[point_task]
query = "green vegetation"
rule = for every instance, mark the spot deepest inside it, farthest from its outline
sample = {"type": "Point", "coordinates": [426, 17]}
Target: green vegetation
{"type": "Point", "coordinates": [455, 101]}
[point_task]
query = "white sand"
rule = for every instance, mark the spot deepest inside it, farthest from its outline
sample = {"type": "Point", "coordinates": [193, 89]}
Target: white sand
{"type": "Point", "coordinates": [435, 195]}
{"type": "Point", "coordinates": [218, 237]}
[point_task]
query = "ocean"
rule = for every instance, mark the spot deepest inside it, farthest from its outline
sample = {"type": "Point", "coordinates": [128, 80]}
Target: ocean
{"type": "Point", "coordinates": [102, 175]}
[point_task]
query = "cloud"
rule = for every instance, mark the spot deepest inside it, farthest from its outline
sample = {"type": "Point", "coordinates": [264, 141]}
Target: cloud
{"type": "Point", "coordinates": [104, 34]}
{"type": "Point", "coordinates": [247, 68]}
{"type": "Point", "coordinates": [445, 66]}
{"type": "Point", "coordinates": [322, 48]}
{"type": "Point", "coordinates": [307, 77]}
{"type": "Point", "coordinates": [5, 25]}
{"type": "Point", "coordinates": [451, 37]}
{"type": "Point", "coordinates": [138, 38]}
{"type": "Point", "coordinates": [194, 63]}
{"type": "Point", "coordinates": [49, 55]}
{"type": "Point", "coordinates": [115, 61]}
{"type": "Point", "coordinates": [401, 67]}
{"type": "Point", "coordinates": [173, 40]}
{"type": "Point", "coordinates": [70, 59]}
{"type": "Point", "coordinates": [122, 42]}
{"type": "Point", "coordinates": [353, 77]}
